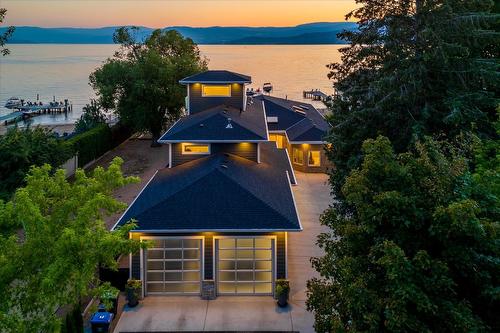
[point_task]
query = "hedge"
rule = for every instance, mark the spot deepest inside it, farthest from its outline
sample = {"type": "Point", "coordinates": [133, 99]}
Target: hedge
{"type": "Point", "coordinates": [94, 143]}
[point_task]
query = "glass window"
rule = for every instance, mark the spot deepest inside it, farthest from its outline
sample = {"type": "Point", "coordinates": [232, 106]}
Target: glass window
{"type": "Point", "coordinates": [195, 149]}
{"type": "Point", "coordinates": [298, 156]}
{"type": "Point", "coordinates": [216, 90]}
{"type": "Point", "coordinates": [314, 158]}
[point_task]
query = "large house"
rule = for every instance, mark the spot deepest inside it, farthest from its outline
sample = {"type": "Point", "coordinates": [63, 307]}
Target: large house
{"type": "Point", "coordinates": [218, 216]}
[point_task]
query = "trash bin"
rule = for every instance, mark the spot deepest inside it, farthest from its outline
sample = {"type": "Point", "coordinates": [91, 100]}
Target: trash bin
{"type": "Point", "coordinates": [101, 321]}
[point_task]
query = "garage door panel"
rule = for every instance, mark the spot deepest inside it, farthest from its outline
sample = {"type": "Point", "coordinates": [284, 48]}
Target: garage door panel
{"type": "Point", "coordinates": [245, 265]}
{"type": "Point", "coordinates": [174, 267]}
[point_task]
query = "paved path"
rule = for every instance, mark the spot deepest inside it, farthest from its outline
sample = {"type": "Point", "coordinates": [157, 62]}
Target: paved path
{"type": "Point", "coordinates": [246, 313]}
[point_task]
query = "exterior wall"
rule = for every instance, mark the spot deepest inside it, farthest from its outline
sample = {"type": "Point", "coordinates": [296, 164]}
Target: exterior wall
{"type": "Point", "coordinates": [244, 149]}
{"type": "Point", "coordinates": [198, 103]}
{"type": "Point", "coordinates": [208, 265]}
{"type": "Point", "coordinates": [325, 163]}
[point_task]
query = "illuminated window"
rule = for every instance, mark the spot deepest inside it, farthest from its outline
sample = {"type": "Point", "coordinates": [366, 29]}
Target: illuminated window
{"type": "Point", "coordinates": [314, 158]}
{"type": "Point", "coordinates": [216, 91]}
{"type": "Point", "coordinates": [298, 156]}
{"type": "Point", "coordinates": [279, 139]}
{"type": "Point", "coordinates": [195, 149]}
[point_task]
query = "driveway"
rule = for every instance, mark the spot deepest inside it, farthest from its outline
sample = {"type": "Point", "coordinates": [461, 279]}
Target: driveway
{"type": "Point", "coordinates": [232, 313]}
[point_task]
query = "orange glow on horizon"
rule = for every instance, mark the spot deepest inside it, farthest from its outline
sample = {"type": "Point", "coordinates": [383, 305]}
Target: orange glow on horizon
{"type": "Point", "coordinates": [163, 13]}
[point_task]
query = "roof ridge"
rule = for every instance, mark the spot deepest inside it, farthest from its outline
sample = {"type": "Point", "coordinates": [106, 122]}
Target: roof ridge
{"type": "Point", "coordinates": [253, 195]}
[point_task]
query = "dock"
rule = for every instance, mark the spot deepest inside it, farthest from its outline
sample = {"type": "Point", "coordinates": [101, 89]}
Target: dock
{"type": "Point", "coordinates": [32, 110]}
{"type": "Point", "coordinates": [315, 95]}
{"type": "Point", "coordinates": [11, 117]}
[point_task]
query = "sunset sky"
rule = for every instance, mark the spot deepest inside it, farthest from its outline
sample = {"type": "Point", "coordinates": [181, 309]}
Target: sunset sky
{"type": "Point", "coordinates": [161, 13]}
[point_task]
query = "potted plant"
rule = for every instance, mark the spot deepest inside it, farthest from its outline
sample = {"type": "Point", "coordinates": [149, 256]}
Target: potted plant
{"type": "Point", "coordinates": [109, 297]}
{"type": "Point", "coordinates": [282, 291]}
{"type": "Point", "coordinates": [133, 288]}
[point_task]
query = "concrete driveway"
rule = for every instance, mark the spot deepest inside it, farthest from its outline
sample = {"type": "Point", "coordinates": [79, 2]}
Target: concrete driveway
{"type": "Point", "coordinates": [233, 313]}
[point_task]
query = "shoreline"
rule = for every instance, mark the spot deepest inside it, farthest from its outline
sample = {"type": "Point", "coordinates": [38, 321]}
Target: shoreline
{"type": "Point", "coordinates": [56, 128]}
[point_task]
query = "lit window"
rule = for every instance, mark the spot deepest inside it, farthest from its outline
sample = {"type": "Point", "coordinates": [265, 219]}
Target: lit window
{"type": "Point", "coordinates": [298, 156]}
{"type": "Point", "coordinates": [216, 91]}
{"type": "Point", "coordinates": [314, 158]}
{"type": "Point", "coordinates": [195, 149]}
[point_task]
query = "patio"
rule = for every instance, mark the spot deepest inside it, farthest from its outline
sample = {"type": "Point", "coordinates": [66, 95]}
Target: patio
{"type": "Point", "coordinates": [232, 313]}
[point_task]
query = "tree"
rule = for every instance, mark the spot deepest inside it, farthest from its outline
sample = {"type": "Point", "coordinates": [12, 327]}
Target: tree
{"type": "Point", "coordinates": [52, 241]}
{"type": "Point", "coordinates": [414, 68]}
{"type": "Point", "coordinates": [6, 34]}
{"type": "Point", "coordinates": [420, 253]}
{"type": "Point", "coordinates": [92, 115]}
{"type": "Point", "coordinates": [22, 148]}
{"type": "Point", "coordinates": [141, 81]}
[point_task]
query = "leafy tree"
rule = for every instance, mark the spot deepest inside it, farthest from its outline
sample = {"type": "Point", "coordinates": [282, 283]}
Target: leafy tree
{"type": "Point", "coordinates": [52, 240]}
{"type": "Point", "coordinates": [414, 68]}
{"type": "Point", "coordinates": [141, 81]}
{"type": "Point", "coordinates": [92, 116]}
{"type": "Point", "coordinates": [6, 34]}
{"type": "Point", "coordinates": [419, 253]}
{"type": "Point", "coordinates": [22, 148]}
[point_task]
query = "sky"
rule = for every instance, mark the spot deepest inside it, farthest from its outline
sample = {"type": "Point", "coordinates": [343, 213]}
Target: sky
{"type": "Point", "coordinates": [162, 13]}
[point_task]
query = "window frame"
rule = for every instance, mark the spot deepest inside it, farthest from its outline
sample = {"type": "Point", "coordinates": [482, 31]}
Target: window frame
{"type": "Point", "coordinates": [319, 156]}
{"type": "Point", "coordinates": [216, 85]}
{"type": "Point", "coordinates": [183, 152]}
{"type": "Point", "coordinates": [293, 155]}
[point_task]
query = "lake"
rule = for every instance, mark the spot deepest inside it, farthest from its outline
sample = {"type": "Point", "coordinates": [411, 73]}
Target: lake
{"type": "Point", "coordinates": [63, 70]}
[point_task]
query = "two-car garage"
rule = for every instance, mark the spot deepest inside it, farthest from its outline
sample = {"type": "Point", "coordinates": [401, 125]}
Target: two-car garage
{"type": "Point", "coordinates": [242, 265]}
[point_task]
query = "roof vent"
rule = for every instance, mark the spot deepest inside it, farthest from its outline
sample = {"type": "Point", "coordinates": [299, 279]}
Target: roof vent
{"type": "Point", "coordinates": [201, 125]}
{"type": "Point", "coordinates": [272, 120]}
{"type": "Point", "coordinates": [229, 125]}
{"type": "Point", "coordinates": [223, 166]}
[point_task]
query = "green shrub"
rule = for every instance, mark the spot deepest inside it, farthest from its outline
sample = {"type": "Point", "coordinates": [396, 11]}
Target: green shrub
{"type": "Point", "coordinates": [95, 142]}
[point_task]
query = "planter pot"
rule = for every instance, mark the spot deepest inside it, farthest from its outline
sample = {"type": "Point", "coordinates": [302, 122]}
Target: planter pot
{"type": "Point", "coordinates": [132, 297]}
{"type": "Point", "coordinates": [283, 300]}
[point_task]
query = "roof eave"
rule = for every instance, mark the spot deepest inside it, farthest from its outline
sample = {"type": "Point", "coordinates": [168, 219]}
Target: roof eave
{"type": "Point", "coordinates": [216, 230]}
{"type": "Point", "coordinates": [215, 82]}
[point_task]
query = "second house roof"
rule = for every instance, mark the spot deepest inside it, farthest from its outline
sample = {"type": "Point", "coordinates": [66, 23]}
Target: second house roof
{"type": "Point", "coordinates": [220, 124]}
{"type": "Point", "coordinates": [217, 76]}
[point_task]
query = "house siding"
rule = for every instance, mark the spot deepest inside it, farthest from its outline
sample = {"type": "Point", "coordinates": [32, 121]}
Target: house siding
{"type": "Point", "coordinates": [304, 167]}
{"type": "Point", "coordinates": [244, 149]}
{"type": "Point", "coordinates": [198, 103]}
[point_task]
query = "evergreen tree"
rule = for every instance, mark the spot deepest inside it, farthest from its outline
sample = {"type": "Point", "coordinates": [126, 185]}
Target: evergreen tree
{"type": "Point", "coordinates": [414, 68]}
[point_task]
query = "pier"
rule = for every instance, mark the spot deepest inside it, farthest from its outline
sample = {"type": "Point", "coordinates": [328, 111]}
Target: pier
{"type": "Point", "coordinates": [315, 95]}
{"type": "Point", "coordinates": [26, 111]}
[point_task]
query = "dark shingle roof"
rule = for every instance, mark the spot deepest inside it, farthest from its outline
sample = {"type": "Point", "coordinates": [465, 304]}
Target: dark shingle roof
{"type": "Point", "coordinates": [210, 125]}
{"type": "Point", "coordinates": [221, 192]}
{"type": "Point", "coordinates": [217, 76]}
{"type": "Point", "coordinates": [307, 125]}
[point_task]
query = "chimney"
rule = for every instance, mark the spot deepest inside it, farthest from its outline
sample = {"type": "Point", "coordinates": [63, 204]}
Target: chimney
{"type": "Point", "coordinates": [229, 126]}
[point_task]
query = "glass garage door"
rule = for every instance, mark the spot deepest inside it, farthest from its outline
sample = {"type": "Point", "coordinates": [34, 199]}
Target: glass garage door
{"type": "Point", "coordinates": [173, 266]}
{"type": "Point", "coordinates": [245, 266]}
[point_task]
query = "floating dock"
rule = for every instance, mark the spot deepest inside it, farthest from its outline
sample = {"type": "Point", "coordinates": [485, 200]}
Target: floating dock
{"type": "Point", "coordinates": [32, 110]}
{"type": "Point", "coordinates": [315, 95]}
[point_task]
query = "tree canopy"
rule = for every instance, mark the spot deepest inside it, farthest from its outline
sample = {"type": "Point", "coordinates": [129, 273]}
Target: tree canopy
{"type": "Point", "coordinates": [413, 245]}
{"type": "Point", "coordinates": [92, 116]}
{"type": "Point", "coordinates": [5, 36]}
{"type": "Point", "coordinates": [22, 148]}
{"type": "Point", "coordinates": [420, 253]}
{"type": "Point", "coordinates": [141, 81]}
{"type": "Point", "coordinates": [414, 68]}
{"type": "Point", "coordinates": [53, 239]}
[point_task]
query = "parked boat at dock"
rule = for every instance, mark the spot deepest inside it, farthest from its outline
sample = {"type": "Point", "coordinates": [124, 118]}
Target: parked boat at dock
{"type": "Point", "coordinates": [13, 102]}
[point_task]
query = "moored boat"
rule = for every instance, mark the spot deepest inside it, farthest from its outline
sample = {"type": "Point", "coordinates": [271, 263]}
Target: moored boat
{"type": "Point", "coordinates": [13, 103]}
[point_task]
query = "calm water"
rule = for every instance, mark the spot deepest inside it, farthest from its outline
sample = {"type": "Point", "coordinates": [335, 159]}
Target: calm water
{"type": "Point", "coordinates": [63, 70]}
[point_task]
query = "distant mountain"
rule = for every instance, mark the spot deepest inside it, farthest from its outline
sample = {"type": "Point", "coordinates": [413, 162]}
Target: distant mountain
{"type": "Point", "coordinates": [312, 33]}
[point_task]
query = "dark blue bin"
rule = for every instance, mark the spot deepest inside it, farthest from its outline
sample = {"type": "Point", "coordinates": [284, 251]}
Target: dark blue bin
{"type": "Point", "coordinates": [101, 321]}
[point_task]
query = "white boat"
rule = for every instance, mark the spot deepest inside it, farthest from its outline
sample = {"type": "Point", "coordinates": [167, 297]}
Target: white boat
{"type": "Point", "coordinates": [13, 103]}
{"type": "Point", "coordinates": [268, 87]}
